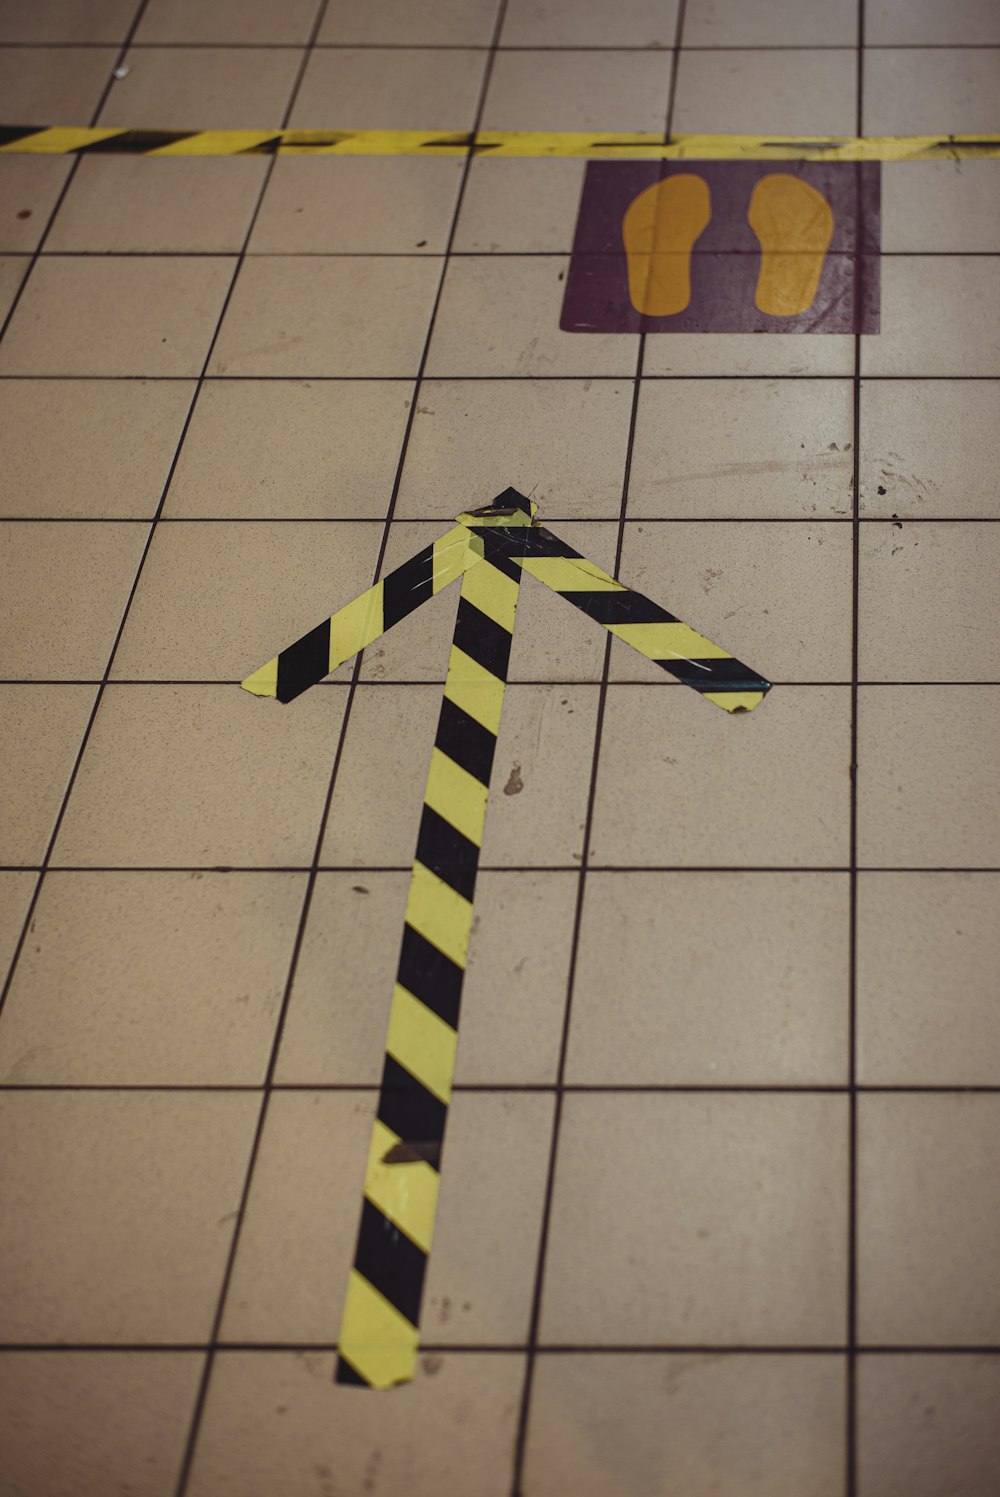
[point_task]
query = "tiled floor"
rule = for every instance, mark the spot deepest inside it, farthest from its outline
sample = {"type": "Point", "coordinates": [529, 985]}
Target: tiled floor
{"type": "Point", "coordinates": [721, 1196]}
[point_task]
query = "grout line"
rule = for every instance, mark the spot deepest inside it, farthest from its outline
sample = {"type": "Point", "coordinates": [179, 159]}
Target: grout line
{"type": "Point", "coordinates": [362, 870]}
{"type": "Point", "coordinates": [646, 49]}
{"type": "Point", "coordinates": [542, 1088]}
{"type": "Point", "coordinates": [497, 379]}
{"type": "Point", "coordinates": [851, 1390]}
{"type": "Point", "coordinates": [269, 1083]}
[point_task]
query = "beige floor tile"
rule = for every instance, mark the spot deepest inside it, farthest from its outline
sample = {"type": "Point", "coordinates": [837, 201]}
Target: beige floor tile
{"type": "Point", "coordinates": [299, 1233]}
{"type": "Point", "coordinates": [928, 955]}
{"type": "Point", "coordinates": [113, 316]}
{"type": "Point", "coordinates": [88, 448]}
{"type": "Point", "coordinates": [783, 354]}
{"type": "Point", "coordinates": [203, 88]}
{"type": "Point", "coordinates": [928, 1425]}
{"type": "Point", "coordinates": [688, 1219]}
{"type": "Point", "coordinates": [500, 316]}
{"type": "Point", "coordinates": [63, 21]}
{"type": "Point", "coordinates": [776, 595]}
{"type": "Point", "coordinates": [54, 85]}
{"type": "Point", "coordinates": [278, 1422]}
{"type": "Point", "coordinates": [778, 448]}
{"type": "Point", "coordinates": [151, 979]}
{"type": "Point", "coordinates": [158, 206]}
{"type": "Point", "coordinates": [932, 445]}
{"type": "Point", "coordinates": [915, 92]}
{"type": "Point", "coordinates": [358, 205]}
{"type": "Point", "coordinates": [928, 781]}
{"type": "Point", "coordinates": [686, 1426]}
{"type": "Point", "coordinates": [118, 1211]}
{"type": "Point", "coordinates": [13, 269]}
{"type": "Point", "coordinates": [561, 23]}
{"type": "Point", "coordinates": [562, 441]}
{"type": "Point", "coordinates": [784, 91]}
{"type": "Point", "coordinates": [201, 775]}
{"type": "Point", "coordinates": [682, 783]}
{"type": "Point", "coordinates": [546, 741]}
{"type": "Point", "coordinates": [896, 23]}
{"type": "Point", "coordinates": [64, 590]}
{"type": "Point", "coordinates": [769, 23]}
{"type": "Point", "coordinates": [765, 1003]}
{"type": "Point", "coordinates": [927, 602]}
{"type": "Point", "coordinates": [290, 449]}
{"type": "Point", "coordinates": [29, 187]}
{"type": "Point", "coordinates": [941, 207]}
{"type": "Point", "coordinates": [515, 984]}
{"type": "Point", "coordinates": [215, 601]}
{"type": "Point", "coordinates": [928, 1219]}
{"type": "Point", "coordinates": [553, 641]}
{"type": "Point", "coordinates": [80, 1424]}
{"type": "Point", "coordinates": [399, 89]}
{"type": "Point", "coordinates": [311, 316]}
{"type": "Point", "coordinates": [939, 316]}
{"type": "Point", "coordinates": [454, 23]}
{"type": "Point", "coordinates": [578, 91]}
{"type": "Point", "coordinates": [256, 22]}
{"type": "Point", "coordinates": [520, 206]}
{"type": "Point", "coordinates": [16, 890]}
{"type": "Point", "coordinates": [41, 728]}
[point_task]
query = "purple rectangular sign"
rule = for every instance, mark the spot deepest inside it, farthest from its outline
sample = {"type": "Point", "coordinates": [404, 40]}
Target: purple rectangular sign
{"type": "Point", "coordinates": [726, 247]}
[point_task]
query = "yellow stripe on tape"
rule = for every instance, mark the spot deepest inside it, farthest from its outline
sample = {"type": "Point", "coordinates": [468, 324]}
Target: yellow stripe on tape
{"type": "Point", "coordinates": [378, 1342]}
{"type": "Point", "coordinates": [668, 641]}
{"type": "Point", "coordinates": [475, 689]}
{"type": "Point", "coordinates": [407, 1192]}
{"type": "Point", "coordinates": [457, 796]}
{"type": "Point", "coordinates": [567, 574]}
{"type": "Point", "coordinates": [493, 593]}
{"type": "Point", "coordinates": [735, 701]}
{"type": "Point", "coordinates": [619, 145]}
{"type": "Point", "coordinates": [433, 908]}
{"type": "Point", "coordinates": [452, 557]}
{"type": "Point", "coordinates": [356, 625]}
{"type": "Point", "coordinates": [422, 1042]}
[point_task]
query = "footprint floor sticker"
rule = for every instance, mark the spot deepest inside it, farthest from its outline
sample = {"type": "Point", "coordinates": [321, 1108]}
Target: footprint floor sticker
{"type": "Point", "coordinates": [726, 247]}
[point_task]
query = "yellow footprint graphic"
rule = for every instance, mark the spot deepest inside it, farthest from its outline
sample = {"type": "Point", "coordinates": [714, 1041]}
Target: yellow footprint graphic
{"type": "Point", "coordinates": [794, 224]}
{"type": "Point", "coordinates": [660, 229]}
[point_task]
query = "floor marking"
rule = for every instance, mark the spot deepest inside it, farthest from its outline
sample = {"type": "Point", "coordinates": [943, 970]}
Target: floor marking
{"type": "Point", "coordinates": [491, 549]}
{"type": "Point", "coordinates": [725, 247]}
{"type": "Point", "coordinates": [63, 140]}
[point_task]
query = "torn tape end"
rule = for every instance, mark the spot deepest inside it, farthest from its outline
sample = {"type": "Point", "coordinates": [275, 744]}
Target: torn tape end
{"type": "Point", "coordinates": [737, 701]}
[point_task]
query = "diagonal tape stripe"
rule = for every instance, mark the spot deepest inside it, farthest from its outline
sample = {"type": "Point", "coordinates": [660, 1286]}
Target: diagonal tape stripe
{"type": "Point", "coordinates": [410, 1110]}
{"type": "Point", "coordinates": [456, 796]}
{"type": "Point", "coordinates": [422, 1043]}
{"type": "Point", "coordinates": [481, 638]}
{"type": "Point", "coordinates": [438, 914]}
{"type": "Point", "coordinates": [380, 1344]}
{"type": "Point", "coordinates": [390, 1262]}
{"type": "Point", "coordinates": [674, 641]}
{"type": "Point", "coordinates": [477, 692]}
{"type": "Point", "coordinates": [432, 976]}
{"type": "Point", "coordinates": [494, 593]}
{"type": "Point", "coordinates": [406, 1192]}
{"type": "Point", "coordinates": [303, 663]}
{"type": "Point", "coordinates": [565, 574]}
{"type": "Point", "coordinates": [443, 849]}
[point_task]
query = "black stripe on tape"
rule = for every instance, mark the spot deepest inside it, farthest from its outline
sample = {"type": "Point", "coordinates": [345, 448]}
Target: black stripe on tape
{"type": "Point", "coordinates": [407, 587]}
{"type": "Point", "coordinates": [624, 607]}
{"type": "Point", "coordinates": [445, 851]}
{"type": "Point", "coordinates": [465, 741]}
{"type": "Point", "coordinates": [430, 976]}
{"type": "Point", "coordinates": [304, 663]}
{"type": "Point", "coordinates": [11, 133]}
{"type": "Point", "coordinates": [714, 675]}
{"type": "Point", "coordinates": [345, 1373]}
{"type": "Point", "coordinates": [134, 142]}
{"type": "Point", "coordinates": [482, 638]}
{"type": "Point", "coordinates": [412, 1112]}
{"type": "Point", "coordinates": [390, 1261]}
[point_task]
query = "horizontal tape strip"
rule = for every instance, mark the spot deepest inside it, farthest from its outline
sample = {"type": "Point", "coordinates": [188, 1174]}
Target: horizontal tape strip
{"type": "Point", "coordinates": [66, 140]}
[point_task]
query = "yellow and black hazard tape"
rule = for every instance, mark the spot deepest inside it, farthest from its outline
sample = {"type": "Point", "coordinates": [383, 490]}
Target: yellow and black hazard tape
{"type": "Point", "coordinates": [100, 140]}
{"type": "Point", "coordinates": [490, 549]}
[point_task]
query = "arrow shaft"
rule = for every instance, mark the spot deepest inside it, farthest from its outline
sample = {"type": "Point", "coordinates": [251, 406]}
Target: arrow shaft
{"type": "Point", "coordinates": [379, 1334]}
